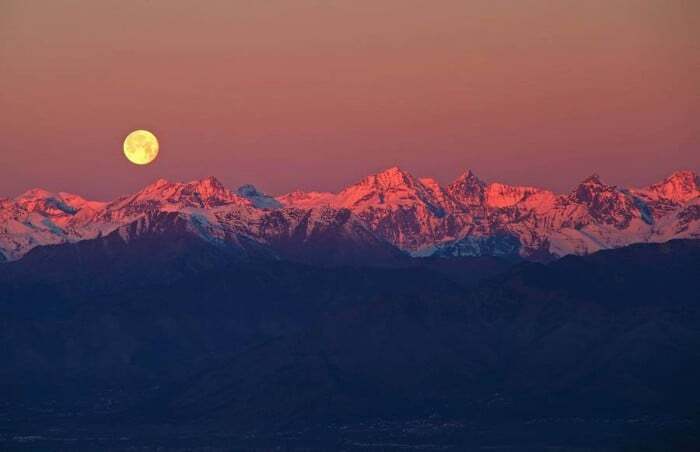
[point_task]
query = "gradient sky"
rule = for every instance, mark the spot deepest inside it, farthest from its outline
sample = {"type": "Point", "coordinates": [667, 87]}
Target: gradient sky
{"type": "Point", "coordinates": [314, 94]}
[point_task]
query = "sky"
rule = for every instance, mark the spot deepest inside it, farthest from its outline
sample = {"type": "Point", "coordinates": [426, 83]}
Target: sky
{"type": "Point", "coordinates": [316, 94]}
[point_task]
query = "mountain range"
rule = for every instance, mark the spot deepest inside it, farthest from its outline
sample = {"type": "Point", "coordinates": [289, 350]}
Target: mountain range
{"type": "Point", "coordinates": [396, 313]}
{"type": "Point", "coordinates": [166, 338]}
{"type": "Point", "coordinates": [381, 218]}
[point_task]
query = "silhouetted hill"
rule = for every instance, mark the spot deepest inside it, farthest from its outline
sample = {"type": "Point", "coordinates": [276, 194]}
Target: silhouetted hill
{"type": "Point", "coordinates": [128, 338]}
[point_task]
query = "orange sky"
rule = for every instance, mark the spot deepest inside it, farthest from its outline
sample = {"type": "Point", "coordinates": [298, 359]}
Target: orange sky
{"type": "Point", "coordinates": [314, 94]}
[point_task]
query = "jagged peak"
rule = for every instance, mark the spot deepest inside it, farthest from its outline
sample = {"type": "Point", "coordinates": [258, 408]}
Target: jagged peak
{"type": "Point", "coordinates": [209, 186]}
{"type": "Point", "coordinates": [208, 181]}
{"type": "Point", "coordinates": [593, 191]}
{"type": "Point", "coordinates": [593, 179]}
{"type": "Point", "coordinates": [208, 191]}
{"type": "Point", "coordinates": [586, 189]}
{"type": "Point", "coordinates": [683, 173]}
{"type": "Point", "coordinates": [680, 186]}
{"type": "Point", "coordinates": [390, 177]}
{"type": "Point", "coordinates": [468, 179]}
{"type": "Point", "coordinates": [396, 170]}
{"type": "Point", "coordinates": [504, 195]}
{"type": "Point", "coordinates": [392, 187]}
{"type": "Point", "coordinates": [683, 176]}
{"type": "Point", "coordinates": [160, 183]}
{"type": "Point", "coordinates": [468, 189]}
{"type": "Point", "coordinates": [35, 193]}
{"type": "Point", "coordinates": [468, 174]}
{"type": "Point", "coordinates": [41, 200]}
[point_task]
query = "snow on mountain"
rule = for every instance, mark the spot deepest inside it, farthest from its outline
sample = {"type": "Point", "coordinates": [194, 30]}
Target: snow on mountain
{"type": "Point", "coordinates": [259, 199]}
{"type": "Point", "coordinates": [606, 204]}
{"type": "Point", "coordinates": [319, 235]}
{"type": "Point", "coordinates": [394, 205]}
{"type": "Point", "coordinates": [384, 211]}
{"type": "Point", "coordinates": [59, 207]}
{"type": "Point", "coordinates": [669, 194]}
{"type": "Point", "coordinates": [469, 191]}
{"type": "Point", "coordinates": [205, 193]}
{"type": "Point", "coordinates": [204, 224]}
{"type": "Point", "coordinates": [39, 217]}
{"type": "Point", "coordinates": [163, 195]}
{"type": "Point", "coordinates": [593, 216]}
{"type": "Point", "coordinates": [324, 235]}
{"type": "Point", "coordinates": [392, 187]}
{"type": "Point", "coordinates": [80, 203]}
{"type": "Point", "coordinates": [679, 187]}
{"type": "Point", "coordinates": [498, 195]}
{"type": "Point", "coordinates": [681, 223]}
{"type": "Point", "coordinates": [305, 200]}
{"type": "Point", "coordinates": [45, 202]}
{"type": "Point", "coordinates": [438, 194]}
{"type": "Point", "coordinates": [403, 210]}
{"type": "Point", "coordinates": [21, 230]}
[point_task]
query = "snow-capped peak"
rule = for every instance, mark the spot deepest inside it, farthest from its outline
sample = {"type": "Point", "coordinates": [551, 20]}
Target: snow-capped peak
{"type": "Point", "coordinates": [468, 179]}
{"type": "Point", "coordinates": [34, 193]}
{"type": "Point", "coordinates": [468, 189]}
{"type": "Point", "coordinates": [680, 186]}
{"type": "Point", "coordinates": [258, 198]}
{"type": "Point", "coordinates": [392, 187]}
{"type": "Point", "coordinates": [589, 189]}
{"type": "Point", "coordinates": [607, 204]}
{"type": "Point", "coordinates": [156, 186]}
{"type": "Point", "coordinates": [416, 215]}
{"type": "Point", "coordinates": [390, 178]}
{"type": "Point", "coordinates": [208, 192]}
{"type": "Point", "coordinates": [78, 202]}
{"type": "Point", "coordinates": [501, 195]}
{"type": "Point", "coordinates": [210, 187]}
{"type": "Point", "coordinates": [53, 204]}
{"type": "Point", "coordinates": [305, 200]}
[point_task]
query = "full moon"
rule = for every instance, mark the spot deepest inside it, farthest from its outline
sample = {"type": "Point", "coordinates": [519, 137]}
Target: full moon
{"type": "Point", "coordinates": [141, 147]}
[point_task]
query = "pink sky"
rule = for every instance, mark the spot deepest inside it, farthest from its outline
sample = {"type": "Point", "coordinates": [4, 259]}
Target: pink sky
{"type": "Point", "coordinates": [315, 94]}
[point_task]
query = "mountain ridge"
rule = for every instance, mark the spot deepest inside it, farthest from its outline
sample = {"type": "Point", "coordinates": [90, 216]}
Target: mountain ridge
{"type": "Point", "coordinates": [122, 341]}
{"type": "Point", "coordinates": [417, 216]}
